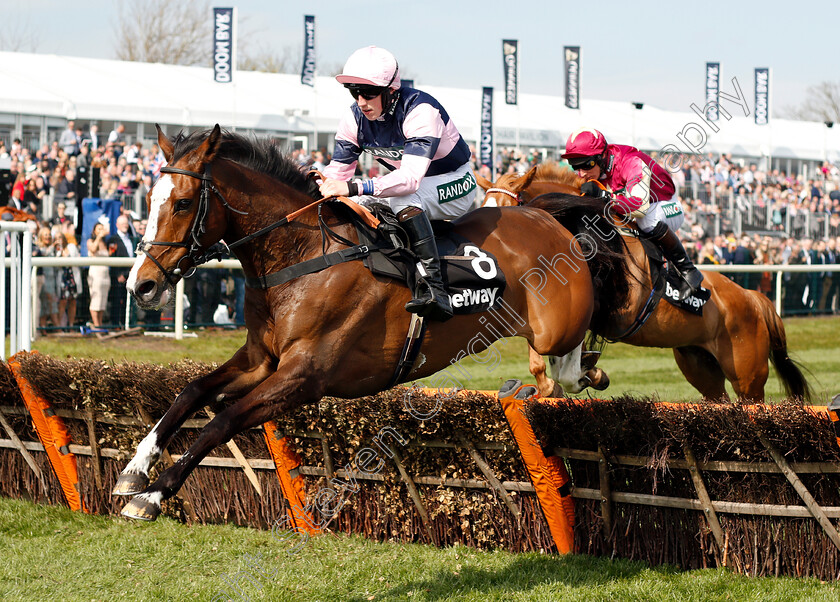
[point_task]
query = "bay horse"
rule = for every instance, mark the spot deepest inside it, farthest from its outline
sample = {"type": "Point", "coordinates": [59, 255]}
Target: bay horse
{"type": "Point", "coordinates": [733, 339]}
{"type": "Point", "coordinates": [337, 332]}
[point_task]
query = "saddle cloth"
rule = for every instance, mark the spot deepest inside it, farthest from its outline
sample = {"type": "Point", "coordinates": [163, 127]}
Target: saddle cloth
{"type": "Point", "coordinates": [672, 280]}
{"type": "Point", "coordinates": [472, 276]}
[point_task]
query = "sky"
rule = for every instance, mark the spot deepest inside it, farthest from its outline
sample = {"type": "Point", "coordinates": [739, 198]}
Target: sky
{"type": "Point", "coordinates": [639, 51]}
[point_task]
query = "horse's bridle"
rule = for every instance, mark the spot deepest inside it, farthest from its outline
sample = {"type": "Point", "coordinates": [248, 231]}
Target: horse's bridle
{"type": "Point", "coordinates": [197, 229]}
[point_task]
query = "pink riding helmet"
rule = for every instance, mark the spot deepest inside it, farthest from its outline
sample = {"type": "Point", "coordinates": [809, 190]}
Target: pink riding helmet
{"type": "Point", "coordinates": [371, 66]}
{"type": "Point", "coordinates": [586, 142]}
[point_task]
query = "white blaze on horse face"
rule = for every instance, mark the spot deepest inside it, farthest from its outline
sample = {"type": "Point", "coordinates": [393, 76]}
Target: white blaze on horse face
{"type": "Point", "coordinates": [161, 192]}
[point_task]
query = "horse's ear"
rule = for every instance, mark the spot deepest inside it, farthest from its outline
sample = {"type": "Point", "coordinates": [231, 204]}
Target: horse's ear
{"type": "Point", "coordinates": [211, 145]}
{"type": "Point", "coordinates": [483, 182]}
{"type": "Point", "coordinates": [525, 181]}
{"type": "Point", "coordinates": [165, 144]}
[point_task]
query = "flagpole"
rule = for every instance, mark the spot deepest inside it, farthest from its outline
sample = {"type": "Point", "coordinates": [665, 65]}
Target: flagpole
{"type": "Point", "coordinates": [234, 75]}
{"type": "Point", "coordinates": [315, 107]}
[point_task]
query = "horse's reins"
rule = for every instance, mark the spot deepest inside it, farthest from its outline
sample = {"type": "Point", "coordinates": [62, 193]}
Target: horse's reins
{"type": "Point", "coordinates": [198, 227]}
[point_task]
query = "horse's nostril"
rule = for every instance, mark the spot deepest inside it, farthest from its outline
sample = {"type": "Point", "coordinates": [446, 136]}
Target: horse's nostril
{"type": "Point", "coordinates": [146, 288]}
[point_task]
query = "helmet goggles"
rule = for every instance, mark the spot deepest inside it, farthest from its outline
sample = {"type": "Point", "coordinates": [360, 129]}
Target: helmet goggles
{"type": "Point", "coordinates": [366, 91]}
{"type": "Point", "coordinates": [582, 163]}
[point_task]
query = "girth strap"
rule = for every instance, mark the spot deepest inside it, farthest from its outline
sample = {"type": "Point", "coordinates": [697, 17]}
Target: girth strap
{"type": "Point", "coordinates": [310, 266]}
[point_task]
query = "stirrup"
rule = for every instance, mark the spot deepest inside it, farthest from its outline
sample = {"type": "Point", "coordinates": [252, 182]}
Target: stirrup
{"type": "Point", "coordinates": [691, 282]}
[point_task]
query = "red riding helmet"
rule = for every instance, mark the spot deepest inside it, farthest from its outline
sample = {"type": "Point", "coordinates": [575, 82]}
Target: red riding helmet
{"type": "Point", "coordinates": [586, 142]}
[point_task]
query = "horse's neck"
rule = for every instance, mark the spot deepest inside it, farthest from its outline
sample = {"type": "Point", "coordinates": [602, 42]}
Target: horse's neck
{"type": "Point", "coordinates": [265, 202]}
{"type": "Point", "coordinates": [539, 187]}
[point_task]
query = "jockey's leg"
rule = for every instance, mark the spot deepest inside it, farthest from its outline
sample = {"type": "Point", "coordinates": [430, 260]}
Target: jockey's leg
{"type": "Point", "coordinates": [662, 231]}
{"type": "Point", "coordinates": [430, 300]}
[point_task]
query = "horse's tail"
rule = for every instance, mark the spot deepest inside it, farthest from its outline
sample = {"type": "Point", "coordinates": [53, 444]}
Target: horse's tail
{"type": "Point", "coordinates": [788, 370]}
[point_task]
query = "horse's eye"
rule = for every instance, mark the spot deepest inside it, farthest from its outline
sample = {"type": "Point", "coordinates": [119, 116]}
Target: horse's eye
{"type": "Point", "coordinates": [182, 204]}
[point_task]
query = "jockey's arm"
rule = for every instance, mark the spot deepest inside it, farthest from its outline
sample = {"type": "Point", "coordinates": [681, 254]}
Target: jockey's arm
{"type": "Point", "coordinates": [423, 129]}
{"type": "Point", "coordinates": [635, 197]}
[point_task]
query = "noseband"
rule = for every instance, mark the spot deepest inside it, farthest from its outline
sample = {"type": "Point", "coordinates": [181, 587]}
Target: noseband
{"type": "Point", "coordinates": [512, 195]}
{"type": "Point", "coordinates": [197, 229]}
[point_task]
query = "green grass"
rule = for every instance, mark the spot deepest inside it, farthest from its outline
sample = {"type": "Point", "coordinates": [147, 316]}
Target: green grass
{"type": "Point", "coordinates": [52, 553]}
{"type": "Point", "coordinates": [815, 342]}
{"type": "Point", "coordinates": [210, 346]}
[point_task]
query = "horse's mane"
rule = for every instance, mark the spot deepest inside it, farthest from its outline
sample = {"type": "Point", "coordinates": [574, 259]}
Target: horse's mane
{"type": "Point", "coordinates": [609, 267]}
{"type": "Point", "coordinates": [553, 172]}
{"type": "Point", "coordinates": [260, 154]}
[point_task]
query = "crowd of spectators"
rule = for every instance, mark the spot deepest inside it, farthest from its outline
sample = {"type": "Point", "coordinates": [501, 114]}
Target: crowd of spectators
{"type": "Point", "coordinates": [46, 181]}
{"type": "Point", "coordinates": [708, 185]}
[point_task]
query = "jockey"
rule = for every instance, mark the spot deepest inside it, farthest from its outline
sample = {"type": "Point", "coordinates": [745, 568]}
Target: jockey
{"type": "Point", "coordinates": [410, 133]}
{"type": "Point", "coordinates": [637, 186]}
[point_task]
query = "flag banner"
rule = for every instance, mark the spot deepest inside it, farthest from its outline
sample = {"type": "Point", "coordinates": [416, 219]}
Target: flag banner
{"type": "Point", "coordinates": [406, 83]}
{"type": "Point", "coordinates": [572, 56]}
{"type": "Point", "coordinates": [223, 45]}
{"type": "Point", "coordinates": [485, 150]}
{"type": "Point", "coordinates": [762, 96]}
{"type": "Point", "coordinates": [712, 91]}
{"type": "Point", "coordinates": [307, 72]}
{"type": "Point", "coordinates": [509, 52]}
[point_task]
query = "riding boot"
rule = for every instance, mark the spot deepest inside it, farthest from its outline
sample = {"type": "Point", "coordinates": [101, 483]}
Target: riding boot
{"type": "Point", "coordinates": [674, 251]}
{"type": "Point", "coordinates": [430, 299]}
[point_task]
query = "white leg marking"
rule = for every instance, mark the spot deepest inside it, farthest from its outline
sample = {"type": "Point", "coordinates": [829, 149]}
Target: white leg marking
{"type": "Point", "coordinates": [147, 453]}
{"type": "Point", "coordinates": [567, 369]}
{"type": "Point", "coordinates": [154, 497]}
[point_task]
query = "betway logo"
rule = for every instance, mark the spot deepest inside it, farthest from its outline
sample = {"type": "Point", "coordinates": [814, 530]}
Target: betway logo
{"type": "Point", "coordinates": [474, 297]}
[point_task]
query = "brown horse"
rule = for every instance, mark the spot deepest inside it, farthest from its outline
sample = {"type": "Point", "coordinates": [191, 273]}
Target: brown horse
{"type": "Point", "coordinates": [733, 339]}
{"type": "Point", "coordinates": [336, 332]}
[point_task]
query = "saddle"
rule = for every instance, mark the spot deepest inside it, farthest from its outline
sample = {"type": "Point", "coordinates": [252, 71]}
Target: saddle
{"type": "Point", "coordinates": [472, 276]}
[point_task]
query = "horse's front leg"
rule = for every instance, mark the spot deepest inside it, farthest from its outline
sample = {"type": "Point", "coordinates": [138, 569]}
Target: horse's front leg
{"type": "Point", "coordinates": [231, 380]}
{"type": "Point", "coordinates": [282, 391]}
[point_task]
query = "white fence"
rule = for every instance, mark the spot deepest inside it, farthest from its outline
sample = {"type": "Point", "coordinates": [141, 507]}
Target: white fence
{"type": "Point", "coordinates": [20, 292]}
{"type": "Point", "coordinates": [22, 313]}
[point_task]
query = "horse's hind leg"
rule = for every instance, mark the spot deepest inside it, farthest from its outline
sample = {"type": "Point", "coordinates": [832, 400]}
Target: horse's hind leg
{"type": "Point", "coordinates": [702, 371]}
{"type": "Point", "coordinates": [280, 392]}
{"type": "Point", "coordinates": [744, 361]}
{"type": "Point", "coordinates": [546, 386]}
{"type": "Point", "coordinates": [230, 380]}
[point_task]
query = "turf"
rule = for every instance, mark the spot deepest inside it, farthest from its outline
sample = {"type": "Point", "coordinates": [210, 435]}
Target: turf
{"type": "Point", "coordinates": [814, 342]}
{"type": "Point", "coordinates": [51, 553]}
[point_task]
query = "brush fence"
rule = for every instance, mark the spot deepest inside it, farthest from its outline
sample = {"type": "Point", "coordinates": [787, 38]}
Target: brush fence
{"type": "Point", "coordinates": [754, 488]}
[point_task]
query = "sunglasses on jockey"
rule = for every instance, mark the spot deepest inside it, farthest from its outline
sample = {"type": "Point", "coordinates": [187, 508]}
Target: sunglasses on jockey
{"type": "Point", "coordinates": [365, 91]}
{"type": "Point", "coordinates": [583, 163]}
{"type": "Point", "coordinates": [369, 92]}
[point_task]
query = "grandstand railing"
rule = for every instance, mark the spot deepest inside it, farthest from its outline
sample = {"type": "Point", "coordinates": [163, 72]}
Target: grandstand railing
{"type": "Point", "coordinates": [787, 288]}
{"type": "Point", "coordinates": [743, 212]}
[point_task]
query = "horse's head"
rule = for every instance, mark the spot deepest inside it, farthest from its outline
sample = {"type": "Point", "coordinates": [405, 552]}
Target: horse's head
{"type": "Point", "coordinates": [504, 192]}
{"type": "Point", "coordinates": [182, 222]}
{"type": "Point", "coordinates": [513, 189]}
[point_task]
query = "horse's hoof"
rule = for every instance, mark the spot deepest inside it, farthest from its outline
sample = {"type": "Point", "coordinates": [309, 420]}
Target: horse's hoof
{"type": "Point", "coordinates": [130, 483]}
{"type": "Point", "coordinates": [558, 392]}
{"type": "Point", "coordinates": [601, 380]}
{"type": "Point", "coordinates": [141, 509]}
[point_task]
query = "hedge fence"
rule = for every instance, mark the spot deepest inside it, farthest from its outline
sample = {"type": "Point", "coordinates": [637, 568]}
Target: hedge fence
{"type": "Point", "coordinates": [754, 488]}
